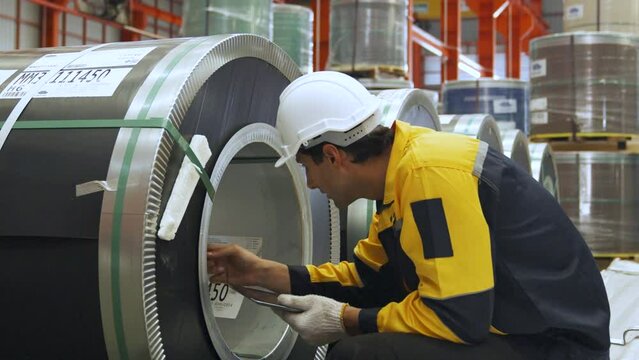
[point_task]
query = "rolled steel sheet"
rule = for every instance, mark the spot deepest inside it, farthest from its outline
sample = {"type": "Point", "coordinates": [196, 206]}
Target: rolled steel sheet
{"type": "Point", "coordinates": [293, 32]}
{"type": "Point", "coordinates": [543, 167]}
{"type": "Point", "coordinates": [413, 106]}
{"type": "Point", "coordinates": [584, 82]}
{"type": "Point", "coordinates": [600, 194]}
{"type": "Point", "coordinates": [85, 277]}
{"type": "Point", "coordinates": [213, 17]}
{"type": "Point", "coordinates": [506, 100]}
{"type": "Point", "coordinates": [601, 15]}
{"type": "Point", "coordinates": [515, 145]}
{"type": "Point", "coordinates": [479, 126]}
{"type": "Point", "coordinates": [367, 34]}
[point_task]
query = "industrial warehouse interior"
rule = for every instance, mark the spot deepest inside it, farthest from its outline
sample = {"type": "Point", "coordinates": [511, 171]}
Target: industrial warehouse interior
{"type": "Point", "coordinates": [319, 179]}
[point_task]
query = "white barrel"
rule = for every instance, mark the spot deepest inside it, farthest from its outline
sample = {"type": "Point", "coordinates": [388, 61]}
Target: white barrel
{"type": "Point", "coordinates": [543, 167]}
{"type": "Point", "coordinates": [414, 106]}
{"type": "Point", "coordinates": [368, 34]}
{"type": "Point", "coordinates": [601, 15]}
{"type": "Point", "coordinates": [86, 276]}
{"type": "Point", "coordinates": [293, 32]}
{"type": "Point", "coordinates": [515, 145]}
{"type": "Point", "coordinates": [584, 82]}
{"type": "Point", "coordinates": [599, 193]}
{"type": "Point", "coordinates": [479, 126]}
{"type": "Point", "coordinates": [212, 17]}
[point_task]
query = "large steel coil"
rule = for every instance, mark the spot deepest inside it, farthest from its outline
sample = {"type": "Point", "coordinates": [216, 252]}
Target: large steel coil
{"type": "Point", "coordinates": [85, 277]}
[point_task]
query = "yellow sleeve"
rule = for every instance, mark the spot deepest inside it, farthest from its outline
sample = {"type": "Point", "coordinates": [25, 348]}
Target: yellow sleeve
{"type": "Point", "coordinates": [366, 282]}
{"type": "Point", "coordinates": [447, 245]}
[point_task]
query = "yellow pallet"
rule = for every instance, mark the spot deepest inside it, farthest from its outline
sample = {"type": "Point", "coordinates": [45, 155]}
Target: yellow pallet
{"type": "Point", "coordinates": [603, 260]}
{"type": "Point", "coordinates": [590, 141]}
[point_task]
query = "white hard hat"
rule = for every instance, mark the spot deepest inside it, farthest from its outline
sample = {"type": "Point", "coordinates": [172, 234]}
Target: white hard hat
{"type": "Point", "coordinates": [324, 106]}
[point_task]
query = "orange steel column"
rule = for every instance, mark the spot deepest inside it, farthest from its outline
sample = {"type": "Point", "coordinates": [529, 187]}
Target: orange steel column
{"type": "Point", "coordinates": [486, 42]}
{"type": "Point", "coordinates": [138, 20]}
{"type": "Point", "coordinates": [417, 65]}
{"type": "Point", "coordinates": [50, 31]}
{"type": "Point", "coordinates": [321, 27]}
{"type": "Point", "coordinates": [513, 45]}
{"type": "Point", "coordinates": [451, 37]}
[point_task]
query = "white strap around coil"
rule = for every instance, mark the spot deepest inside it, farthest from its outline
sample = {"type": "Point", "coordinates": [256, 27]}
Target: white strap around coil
{"type": "Point", "coordinates": [24, 101]}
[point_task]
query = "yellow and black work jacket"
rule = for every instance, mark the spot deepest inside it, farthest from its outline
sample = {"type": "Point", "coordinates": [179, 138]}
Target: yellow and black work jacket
{"type": "Point", "coordinates": [465, 243]}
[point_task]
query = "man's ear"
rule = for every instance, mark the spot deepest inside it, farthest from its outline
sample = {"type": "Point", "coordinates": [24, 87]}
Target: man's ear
{"type": "Point", "coordinates": [331, 153]}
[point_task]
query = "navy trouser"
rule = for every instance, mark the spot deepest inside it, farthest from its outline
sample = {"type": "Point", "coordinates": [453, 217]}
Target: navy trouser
{"type": "Point", "coordinates": [395, 346]}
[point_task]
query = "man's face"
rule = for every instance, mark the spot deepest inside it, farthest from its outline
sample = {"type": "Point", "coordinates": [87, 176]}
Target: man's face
{"type": "Point", "coordinates": [328, 177]}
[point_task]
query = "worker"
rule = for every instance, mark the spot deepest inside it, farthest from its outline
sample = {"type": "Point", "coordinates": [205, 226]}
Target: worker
{"type": "Point", "coordinates": [467, 256]}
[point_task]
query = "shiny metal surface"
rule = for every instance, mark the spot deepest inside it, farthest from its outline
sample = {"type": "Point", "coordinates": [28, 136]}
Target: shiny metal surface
{"type": "Point", "coordinates": [253, 198]}
{"type": "Point", "coordinates": [293, 32]}
{"type": "Point", "coordinates": [413, 106]}
{"type": "Point", "coordinates": [367, 34]}
{"type": "Point", "coordinates": [479, 126]}
{"type": "Point", "coordinates": [515, 145]}
{"type": "Point", "coordinates": [600, 194]}
{"type": "Point", "coordinates": [543, 167]}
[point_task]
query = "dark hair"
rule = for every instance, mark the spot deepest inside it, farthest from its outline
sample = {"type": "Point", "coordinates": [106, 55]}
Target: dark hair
{"type": "Point", "coordinates": [372, 144]}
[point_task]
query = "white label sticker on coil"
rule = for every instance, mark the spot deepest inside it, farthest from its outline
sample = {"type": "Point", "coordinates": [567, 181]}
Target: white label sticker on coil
{"type": "Point", "coordinates": [538, 68]}
{"type": "Point", "coordinates": [539, 118]}
{"type": "Point", "coordinates": [225, 301]}
{"type": "Point", "coordinates": [5, 74]}
{"type": "Point", "coordinates": [505, 106]}
{"type": "Point", "coordinates": [575, 12]}
{"type": "Point", "coordinates": [539, 104]}
{"type": "Point", "coordinates": [110, 58]}
{"type": "Point", "coordinates": [96, 74]}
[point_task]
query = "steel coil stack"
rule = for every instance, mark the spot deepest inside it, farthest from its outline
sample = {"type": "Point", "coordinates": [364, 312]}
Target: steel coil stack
{"type": "Point", "coordinates": [212, 17]}
{"type": "Point", "coordinates": [86, 172]}
{"type": "Point", "coordinates": [584, 83]}
{"type": "Point", "coordinates": [600, 194]}
{"type": "Point", "coordinates": [293, 32]}
{"type": "Point", "coordinates": [506, 100]}
{"type": "Point", "coordinates": [368, 40]}
{"type": "Point", "coordinates": [601, 15]}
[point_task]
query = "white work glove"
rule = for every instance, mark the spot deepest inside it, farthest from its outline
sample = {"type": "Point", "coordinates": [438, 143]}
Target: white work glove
{"type": "Point", "coordinates": [320, 323]}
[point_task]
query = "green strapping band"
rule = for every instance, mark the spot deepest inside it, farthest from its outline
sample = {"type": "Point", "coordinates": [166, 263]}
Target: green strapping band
{"type": "Point", "coordinates": [119, 198]}
{"type": "Point", "coordinates": [132, 124]}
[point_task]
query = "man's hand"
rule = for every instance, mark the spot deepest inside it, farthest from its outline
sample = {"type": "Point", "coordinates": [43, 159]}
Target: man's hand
{"type": "Point", "coordinates": [236, 266]}
{"type": "Point", "coordinates": [321, 321]}
{"type": "Point", "coordinates": [232, 264]}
